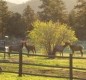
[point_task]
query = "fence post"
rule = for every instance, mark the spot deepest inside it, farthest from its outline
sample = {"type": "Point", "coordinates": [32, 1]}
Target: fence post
{"type": "Point", "coordinates": [4, 50]}
{"type": "Point", "coordinates": [20, 63]}
{"type": "Point", "coordinates": [71, 66]}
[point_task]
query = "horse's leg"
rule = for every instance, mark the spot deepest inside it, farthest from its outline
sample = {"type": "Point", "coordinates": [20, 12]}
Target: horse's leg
{"type": "Point", "coordinates": [73, 52]}
{"type": "Point", "coordinates": [33, 51]}
{"type": "Point", "coordinates": [28, 53]}
{"type": "Point", "coordinates": [62, 53]}
{"type": "Point", "coordinates": [4, 55]}
{"type": "Point", "coordinates": [81, 53]}
{"type": "Point", "coordinates": [9, 55]}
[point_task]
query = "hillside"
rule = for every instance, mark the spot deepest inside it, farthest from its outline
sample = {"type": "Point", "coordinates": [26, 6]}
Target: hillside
{"type": "Point", "coordinates": [34, 5]}
{"type": "Point", "coordinates": [20, 7]}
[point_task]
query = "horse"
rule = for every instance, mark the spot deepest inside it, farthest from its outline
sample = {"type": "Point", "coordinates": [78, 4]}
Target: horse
{"type": "Point", "coordinates": [29, 47]}
{"type": "Point", "coordinates": [2, 45]}
{"type": "Point", "coordinates": [16, 48]}
{"type": "Point", "coordinates": [75, 47]}
{"type": "Point", "coordinates": [59, 48]}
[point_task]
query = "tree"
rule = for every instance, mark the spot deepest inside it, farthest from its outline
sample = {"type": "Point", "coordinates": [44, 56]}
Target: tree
{"type": "Point", "coordinates": [79, 19]}
{"type": "Point", "coordinates": [47, 34]}
{"type": "Point", "coordinates": [72, 18]}
{"type": "Point", "coordinates": [29, 17]}
{"type": "Point", "coordinates": [4, 13]}
{"type": "Point", "coordinates": [53, 10]}
{"type": "Point", "coordinates": [16, 26]}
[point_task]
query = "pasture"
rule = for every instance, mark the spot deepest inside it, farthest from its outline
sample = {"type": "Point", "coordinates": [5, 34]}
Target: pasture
{"type": "Point", "coordinates": [40, 65]}
{"type": "Point", "coordinates": [11, 76]}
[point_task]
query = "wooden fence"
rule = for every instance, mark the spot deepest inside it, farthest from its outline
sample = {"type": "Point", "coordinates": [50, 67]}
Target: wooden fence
{"type": "Point", "coordinates": [20, 71]}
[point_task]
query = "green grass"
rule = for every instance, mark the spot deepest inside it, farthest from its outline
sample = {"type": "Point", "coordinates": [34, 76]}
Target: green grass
{"type": "Point", "coordinates": [11, 76]}
{"type": "Point", "coordinates": [78, 63]}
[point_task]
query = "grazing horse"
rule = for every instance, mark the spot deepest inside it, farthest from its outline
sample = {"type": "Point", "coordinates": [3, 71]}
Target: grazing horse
{"type": "Point", "coordinates": [30, 48]}
{"type": "Point", "coordinates": [16, 48]}
{"type": "Point", "coordinates": [59, 48]}
{"type": "Point", "coordinates": [2, 45]}
{"type": "Point", "coordinates": [75, 47]}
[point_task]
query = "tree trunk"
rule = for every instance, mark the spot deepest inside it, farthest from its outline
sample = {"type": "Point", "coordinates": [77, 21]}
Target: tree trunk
{"type": "Point", "coordinates": [49, 51]}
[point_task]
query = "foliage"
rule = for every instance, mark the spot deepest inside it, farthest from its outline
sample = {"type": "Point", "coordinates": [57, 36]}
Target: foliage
{"type": "Point", "coordinates": [4, 13]}
{"type": "Point", "coordinates": [72, 18]}
{"type": "Point", "coordinates": [53, 10]}
{"type": "Point", "coordinates": [47, 34]}
{"type": "Point", "coordinates": [29, 17]}
{"type": "Point", "coordinates": [16, 25]}
{"type": "Point", "coordinates": [79, 19]}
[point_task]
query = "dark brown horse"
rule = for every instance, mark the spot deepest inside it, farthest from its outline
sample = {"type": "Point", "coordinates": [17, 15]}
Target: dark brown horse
{"type": "Point", "coordinates": [29, 47]}
{"type": "Point", "coordinates": [15, 48]}
{"type": "Point", "coordinates": [75, 47]}
{"type": "Point", "coordinates": [2, 45]}
{"type": "Point", "coordinates": [59, 48]}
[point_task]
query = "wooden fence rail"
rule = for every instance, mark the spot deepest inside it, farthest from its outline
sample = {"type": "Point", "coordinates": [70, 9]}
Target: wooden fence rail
{"type": "Point", "coordinates": [70, 66]}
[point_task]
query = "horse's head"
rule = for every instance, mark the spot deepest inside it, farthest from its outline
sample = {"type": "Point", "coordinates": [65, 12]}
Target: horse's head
{"type": "Point", "coordinates": [23, 43]}
{"type": "Point", "coordinates": [67, 43]}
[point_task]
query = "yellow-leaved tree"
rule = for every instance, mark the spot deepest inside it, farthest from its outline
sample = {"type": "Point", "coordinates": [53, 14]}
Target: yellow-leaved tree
{"type": "Point", "coordinates": [47, 34]}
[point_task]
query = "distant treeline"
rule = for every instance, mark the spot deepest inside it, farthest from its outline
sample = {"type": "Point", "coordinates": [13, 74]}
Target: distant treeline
{"type": "Point", "coordinates": [19, 25]}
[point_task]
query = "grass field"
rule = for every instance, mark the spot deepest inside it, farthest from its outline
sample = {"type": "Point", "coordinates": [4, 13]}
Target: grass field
{"type": "Point", "coordinates": [36, 69]}
{"type": "Point", "coordinates": [78, 63]}
{"type": "Point", "coordinates": [11, 76]}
